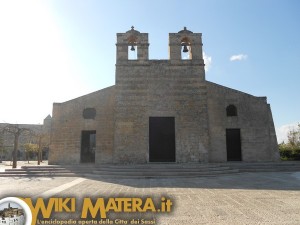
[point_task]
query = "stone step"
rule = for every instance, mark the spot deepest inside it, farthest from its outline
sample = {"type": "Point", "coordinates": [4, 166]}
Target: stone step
{"type": "Point", "coordinates": [132, 171]}
{"type": "Point", "coordinates": [157, 170]}
{"type": "Point", "coordinates": [38, 171]}
{"type": "Point", "coordinates": [265, 167]}
{"type": "Point", "coordinates": [269, 169]}
{"type": "Point", "coordinates": [283, 163]}
{"type": "Point", "coordinates": [120, 174]}
{"type": "Point", "coordinates": [151, 165]}
{"type": "Point", "coordinates": [138, 175]}
{"type": "Point", "coordinates": [48, 170]}
{"type": "Point", "coordinates": [150, 170]}
{"type": "Point", "coordinates": [4, 174]}
{"type": "Point", "coordinates": [164, 173]}
{"type": "Point", "coordinates": [117, 168]}
{"type": "Point", "coordinates": [160, 171]}
{"type": "Point", "coordinates": [50, 167]}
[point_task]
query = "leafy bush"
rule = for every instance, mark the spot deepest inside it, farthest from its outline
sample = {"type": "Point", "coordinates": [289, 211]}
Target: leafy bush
{"type": "Point", "coordinates": [291, 150]}
{"type": "Point", "coordinates": [288, 152]}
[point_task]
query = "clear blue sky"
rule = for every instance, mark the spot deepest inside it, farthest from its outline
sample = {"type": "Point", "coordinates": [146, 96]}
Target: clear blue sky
{"type": "Point", "coordinates": [53, 51]}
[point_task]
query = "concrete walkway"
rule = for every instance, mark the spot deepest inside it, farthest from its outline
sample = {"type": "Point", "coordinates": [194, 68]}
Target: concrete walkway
{"type": "Point", "coordinates": [245, 198]}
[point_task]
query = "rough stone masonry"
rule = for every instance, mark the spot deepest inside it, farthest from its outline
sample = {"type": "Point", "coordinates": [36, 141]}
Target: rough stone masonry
{"type": "Point", "coordinates": [162, 111]}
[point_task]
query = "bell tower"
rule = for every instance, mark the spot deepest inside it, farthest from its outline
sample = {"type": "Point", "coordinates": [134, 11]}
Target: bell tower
{"type": "Point", "coordinates": [187, 42]}
{"type": "Point", "coordinates": [132, 40]}
{"type": "Point", "coordinates": [170, 93]}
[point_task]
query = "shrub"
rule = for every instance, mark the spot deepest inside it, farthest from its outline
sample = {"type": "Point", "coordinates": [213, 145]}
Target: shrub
{"type": "Point", "coordinates": [288, 152]}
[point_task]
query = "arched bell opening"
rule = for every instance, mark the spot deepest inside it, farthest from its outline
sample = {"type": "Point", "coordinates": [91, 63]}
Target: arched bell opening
{"type": "Point", "coordinates": [186, 49]}
{"type": "Point", "coordinates": [132, 48]}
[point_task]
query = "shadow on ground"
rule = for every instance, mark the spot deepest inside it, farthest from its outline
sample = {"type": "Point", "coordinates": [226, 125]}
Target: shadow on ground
{"type": "Point", "coordinates": [258, 180]}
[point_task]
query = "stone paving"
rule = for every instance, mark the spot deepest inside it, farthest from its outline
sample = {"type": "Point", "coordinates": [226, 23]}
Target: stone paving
{"type": "Point", "coordinates": [246, 198]}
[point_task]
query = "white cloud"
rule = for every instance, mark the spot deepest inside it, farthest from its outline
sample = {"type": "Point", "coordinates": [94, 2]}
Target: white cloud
{"type": "Point", "coordinates": [207, 61]}
{"type": "Point", "coordinates": [282, 131]}
{"type": "Point", "coordinates": [238, 57]}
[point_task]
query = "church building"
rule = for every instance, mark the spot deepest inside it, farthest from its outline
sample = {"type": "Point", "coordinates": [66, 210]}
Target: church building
{"type": "Point", "coordinates": [162, 111]}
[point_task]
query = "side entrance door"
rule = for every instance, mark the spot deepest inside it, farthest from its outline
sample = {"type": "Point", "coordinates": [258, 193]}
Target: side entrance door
{"type": "Point", "coordinates": [88, 146]}
{"type": "Point", "coordinates": [233, 145]}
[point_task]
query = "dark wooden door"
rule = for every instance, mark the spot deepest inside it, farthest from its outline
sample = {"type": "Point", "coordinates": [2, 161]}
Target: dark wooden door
{"type": "Point", "coordinates": [233, 144]}
{"type": "Point", "coordinates": [162, 139]}
{"type": "Point", "coordinates": [88, 146]}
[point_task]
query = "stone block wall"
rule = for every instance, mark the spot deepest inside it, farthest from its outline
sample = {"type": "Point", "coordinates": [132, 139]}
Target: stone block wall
{"type": "Point", "coordinates": [68, 123]}
{"type": "Point", "coordinates": [164, 89]}
{"type": "Point", "coordinates": [254, 119]}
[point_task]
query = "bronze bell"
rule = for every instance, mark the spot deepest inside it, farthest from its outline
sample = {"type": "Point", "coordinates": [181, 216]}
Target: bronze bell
{"type": "Point", "coordinates": [185, 49]}
{"type": "Point", "coordinates": [132, 48]}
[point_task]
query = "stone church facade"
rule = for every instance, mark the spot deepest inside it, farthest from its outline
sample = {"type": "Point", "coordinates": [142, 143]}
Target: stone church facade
{"type": "Point", "coordinates": [162, 111]}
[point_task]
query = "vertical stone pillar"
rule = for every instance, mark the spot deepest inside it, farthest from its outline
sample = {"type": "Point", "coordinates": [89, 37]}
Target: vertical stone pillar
{"type": "Point", "coordinates": [174, 47]}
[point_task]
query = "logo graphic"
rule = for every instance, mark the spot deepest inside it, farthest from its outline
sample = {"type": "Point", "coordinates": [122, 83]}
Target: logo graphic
{"type": "Point", "coordinates": [14, 211]}
{"type": "Point", "coordinates": [27, 211]}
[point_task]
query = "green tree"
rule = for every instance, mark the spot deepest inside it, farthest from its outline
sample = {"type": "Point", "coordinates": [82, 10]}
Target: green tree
{"type": "Point", "coordinates": [30, 149]}
{"type": "Point", "coordinates": [294, 137]}
{"type": "Point", "coordinates": [291, 149]}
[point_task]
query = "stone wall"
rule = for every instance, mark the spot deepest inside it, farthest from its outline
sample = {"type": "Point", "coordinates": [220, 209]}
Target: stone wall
{"type": "Point", "coordinates": [68, 123]}
{"type": "Point", "coordinates": [160, 88]}
{"type": "Point", "coordinates": [254, 119]}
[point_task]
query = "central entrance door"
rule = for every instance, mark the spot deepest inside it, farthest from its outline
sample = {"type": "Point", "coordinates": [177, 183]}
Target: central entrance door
{"type": "Point", "coordinates": [233, 144]}
{"type": "Point", "coordinates": [88, 146]}
{"type": "Point", "coordinates": [162, 139]}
